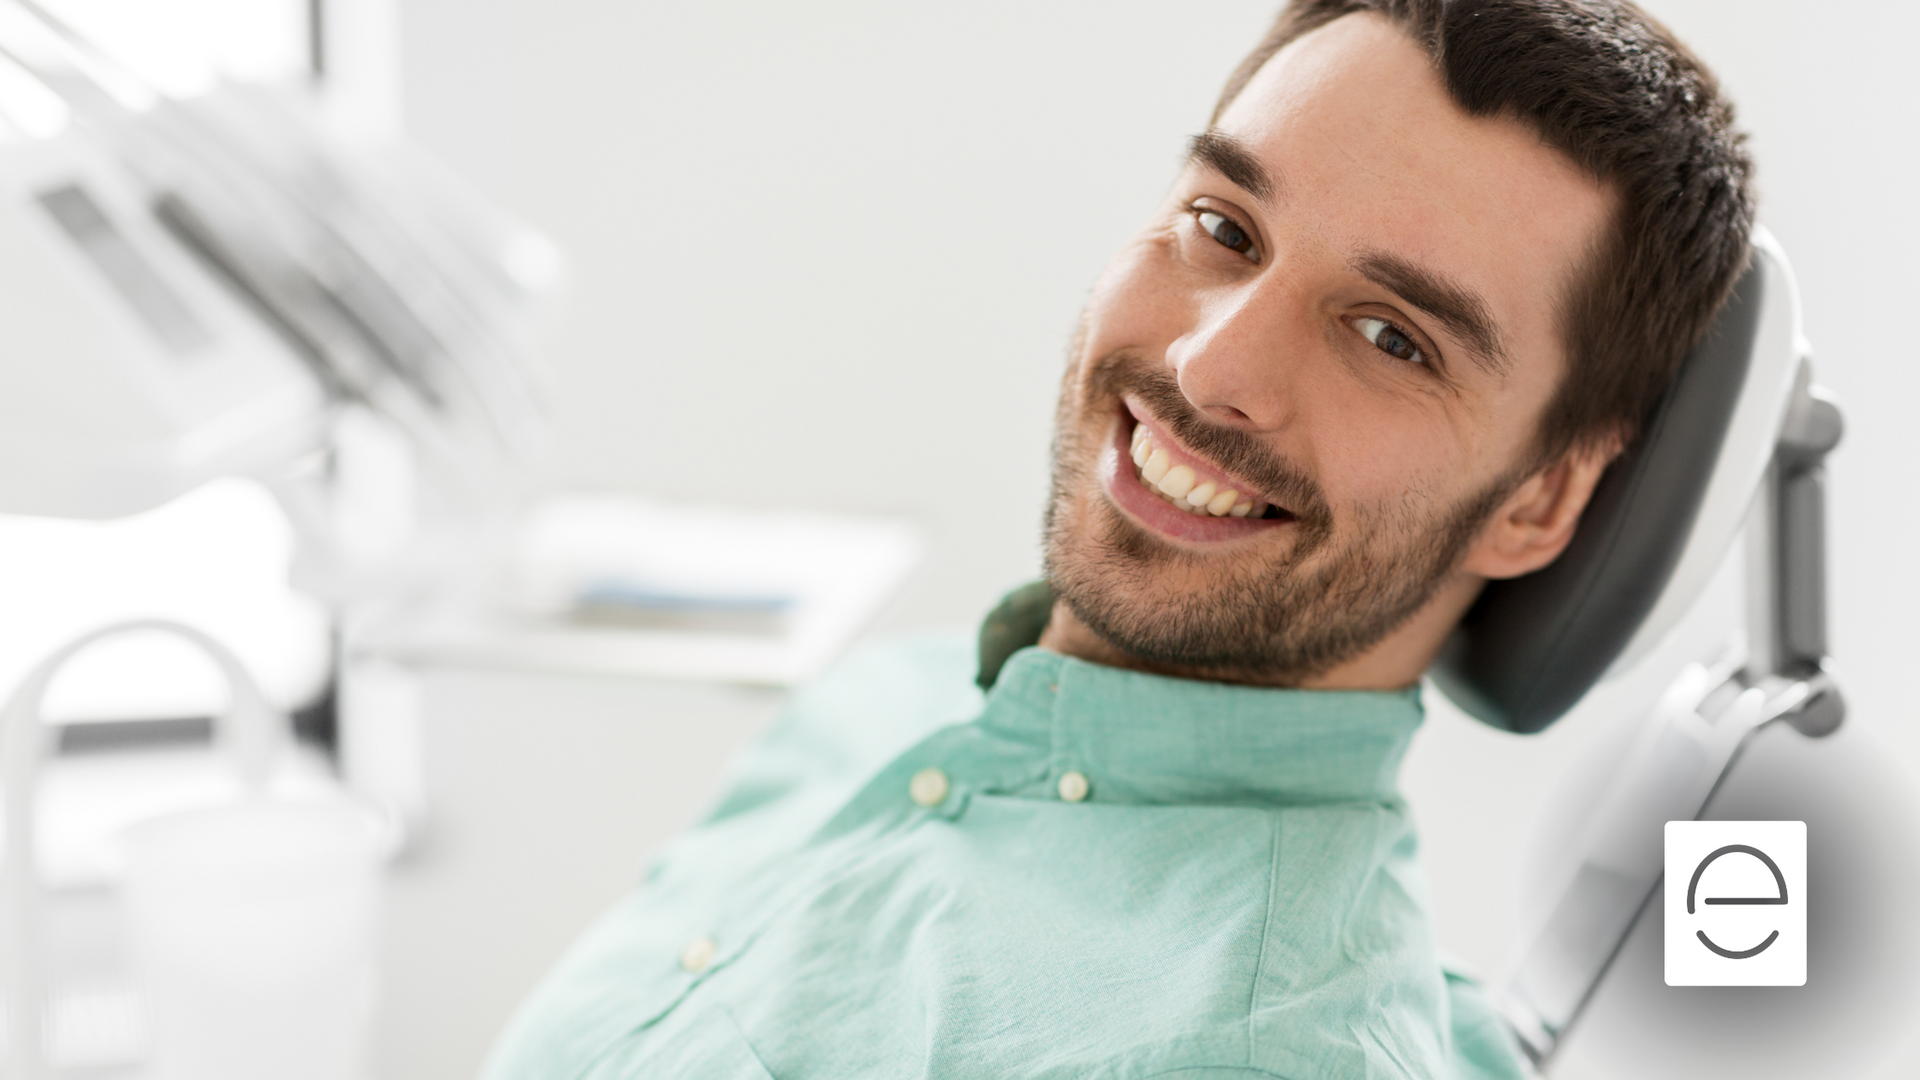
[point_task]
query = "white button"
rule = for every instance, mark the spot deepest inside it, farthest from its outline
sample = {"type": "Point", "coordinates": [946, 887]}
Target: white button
{"type": "Point", "coordinates": [928, 787]}
{"type": "Point", "coordinates": [698, 954]}
{"type": "Point", "coordinates": [1073, 786]}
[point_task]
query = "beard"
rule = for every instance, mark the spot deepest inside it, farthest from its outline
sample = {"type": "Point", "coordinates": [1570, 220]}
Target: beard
{"type": "Point", "coordinates": [1279, 618]}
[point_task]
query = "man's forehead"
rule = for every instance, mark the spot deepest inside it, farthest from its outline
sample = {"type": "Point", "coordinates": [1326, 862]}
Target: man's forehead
{"type": "Point", "coordinates": [1351, 127]}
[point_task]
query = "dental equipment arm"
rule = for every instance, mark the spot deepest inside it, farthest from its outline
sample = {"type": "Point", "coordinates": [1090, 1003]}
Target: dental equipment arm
{"type": "Point", "coordinates": [1697, 731]}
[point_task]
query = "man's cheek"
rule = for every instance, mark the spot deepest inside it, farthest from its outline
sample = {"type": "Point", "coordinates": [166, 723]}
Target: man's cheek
{"type": "Point", "coordinates": [1138, 304]}
{"type": "Point", "coordinates": [1380, 459]}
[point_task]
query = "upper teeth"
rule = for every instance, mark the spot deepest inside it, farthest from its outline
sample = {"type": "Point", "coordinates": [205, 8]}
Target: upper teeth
{"type": "Point", "coordinates": [1178, 482]}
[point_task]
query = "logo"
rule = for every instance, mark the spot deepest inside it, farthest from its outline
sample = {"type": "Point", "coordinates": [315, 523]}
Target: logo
{"type": "Point", "coordinates": [1736, 903]}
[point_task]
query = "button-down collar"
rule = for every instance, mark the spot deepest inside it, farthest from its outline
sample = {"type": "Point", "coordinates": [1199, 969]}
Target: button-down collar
{"type": "Point", "coordinates": [1150, 739]}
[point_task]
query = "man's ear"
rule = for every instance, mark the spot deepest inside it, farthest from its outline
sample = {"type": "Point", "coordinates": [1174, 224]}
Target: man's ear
{"type": "Point", "coordinates": [1534, 525]}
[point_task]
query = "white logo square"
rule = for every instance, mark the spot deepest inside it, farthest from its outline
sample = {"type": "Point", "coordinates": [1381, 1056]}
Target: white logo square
{"type": "Point", "coordinates": [1736, 903]}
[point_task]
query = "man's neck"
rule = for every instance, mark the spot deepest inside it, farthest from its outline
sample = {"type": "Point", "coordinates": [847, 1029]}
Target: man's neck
{"type": "Point", "coordinates": [1394, 662]}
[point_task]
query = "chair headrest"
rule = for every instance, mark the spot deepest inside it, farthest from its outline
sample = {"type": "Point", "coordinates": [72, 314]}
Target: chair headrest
{"type": "Point", "coordinates": [1658, 526]}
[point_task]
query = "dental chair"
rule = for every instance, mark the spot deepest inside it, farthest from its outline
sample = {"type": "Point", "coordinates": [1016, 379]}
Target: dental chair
{"type": "Point", "coordinates": [1731, 464]}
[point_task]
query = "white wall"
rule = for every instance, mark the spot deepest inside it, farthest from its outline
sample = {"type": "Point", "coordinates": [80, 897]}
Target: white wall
{"type": "Point", "coordinates": [824, 254]}
{"type": "Point", "coordinates": [828, 254]}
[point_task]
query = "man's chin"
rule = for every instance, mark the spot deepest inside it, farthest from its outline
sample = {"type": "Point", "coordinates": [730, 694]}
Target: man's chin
{"type": "Point", "coordinates": [1168, 603]}
{"type": "Point", "coordinates": [1247, 612]}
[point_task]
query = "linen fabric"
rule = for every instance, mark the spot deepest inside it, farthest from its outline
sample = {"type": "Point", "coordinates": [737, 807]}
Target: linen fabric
{"type": "Point", "coordinates": [1234, 894]}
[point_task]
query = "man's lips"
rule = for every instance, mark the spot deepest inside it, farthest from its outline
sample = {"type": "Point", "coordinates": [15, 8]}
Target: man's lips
{"type": "Point", "coordinates": [1176, 516]}
{"type": "Point", "coordinates": [1184, 476]}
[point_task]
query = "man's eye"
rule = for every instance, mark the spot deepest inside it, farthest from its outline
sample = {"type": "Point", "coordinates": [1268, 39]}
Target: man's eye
{"type": "Point", "coordinates": [1227, 234]}
{"type": "Point", "coordinates": [1389, 339]}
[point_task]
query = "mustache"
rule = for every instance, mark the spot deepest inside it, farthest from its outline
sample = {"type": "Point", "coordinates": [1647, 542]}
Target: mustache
{"type": "Point", "coordinates": [1282, 482]}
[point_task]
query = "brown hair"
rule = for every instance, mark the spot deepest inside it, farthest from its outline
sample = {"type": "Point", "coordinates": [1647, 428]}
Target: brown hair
{"type": "Point", "coordinates": [1610, 87]}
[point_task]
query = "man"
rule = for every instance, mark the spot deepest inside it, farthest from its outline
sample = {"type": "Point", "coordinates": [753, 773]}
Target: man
{"type": "Point", "coordinates": [1418, 283]}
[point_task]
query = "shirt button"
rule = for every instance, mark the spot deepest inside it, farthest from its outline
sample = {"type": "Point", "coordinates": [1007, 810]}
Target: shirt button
{"type": "Point", "coordinates": [1073, 786]}
{"type": "Point", "coordinates": [698, 954]}
{"type": "Point", "coordinates": [928, 787]}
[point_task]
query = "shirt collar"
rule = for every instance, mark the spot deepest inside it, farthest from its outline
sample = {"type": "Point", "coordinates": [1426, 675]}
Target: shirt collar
{"type": "Point", "coordinates": [1144, 738]}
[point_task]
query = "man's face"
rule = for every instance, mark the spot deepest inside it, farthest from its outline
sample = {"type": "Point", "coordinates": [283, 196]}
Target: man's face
{"type": "Point", "coordinates": [1330, 351]}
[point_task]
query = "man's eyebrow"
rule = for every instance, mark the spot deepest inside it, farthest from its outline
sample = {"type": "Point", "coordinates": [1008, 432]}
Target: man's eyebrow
{"type": "Point", "coordinates": [1459, 309]}
{"type": "Point", "coordinates": [1230, 157]}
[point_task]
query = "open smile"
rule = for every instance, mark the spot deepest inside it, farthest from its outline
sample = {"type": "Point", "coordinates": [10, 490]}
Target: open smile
{"type": "Point", "coordinates": [1175, 492]}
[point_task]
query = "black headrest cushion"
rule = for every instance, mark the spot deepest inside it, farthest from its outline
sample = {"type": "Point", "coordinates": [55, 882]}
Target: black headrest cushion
{"type": "Point", "coordinates": [1531, 647]}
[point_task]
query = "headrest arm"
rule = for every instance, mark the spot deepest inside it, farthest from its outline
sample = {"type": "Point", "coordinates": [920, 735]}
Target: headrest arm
{"type": "Point", "coordinates": [1786, 542]}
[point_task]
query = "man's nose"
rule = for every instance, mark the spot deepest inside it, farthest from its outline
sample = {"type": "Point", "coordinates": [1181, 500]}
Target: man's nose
{"type": "Point", "coordinates": [1233, 364]}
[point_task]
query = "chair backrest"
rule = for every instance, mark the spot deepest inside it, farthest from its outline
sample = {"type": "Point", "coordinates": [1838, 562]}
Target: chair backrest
{"type": "Point", "coordinates": [1660, 522]}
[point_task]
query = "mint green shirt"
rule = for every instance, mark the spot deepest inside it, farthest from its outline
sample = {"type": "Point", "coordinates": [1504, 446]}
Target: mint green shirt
{"type": "Point", "coordinates": [1110, 874]}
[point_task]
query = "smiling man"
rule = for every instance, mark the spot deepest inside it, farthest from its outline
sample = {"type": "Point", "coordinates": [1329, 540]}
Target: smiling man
{"type": "Point", "coordinates": [1419, 281]}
